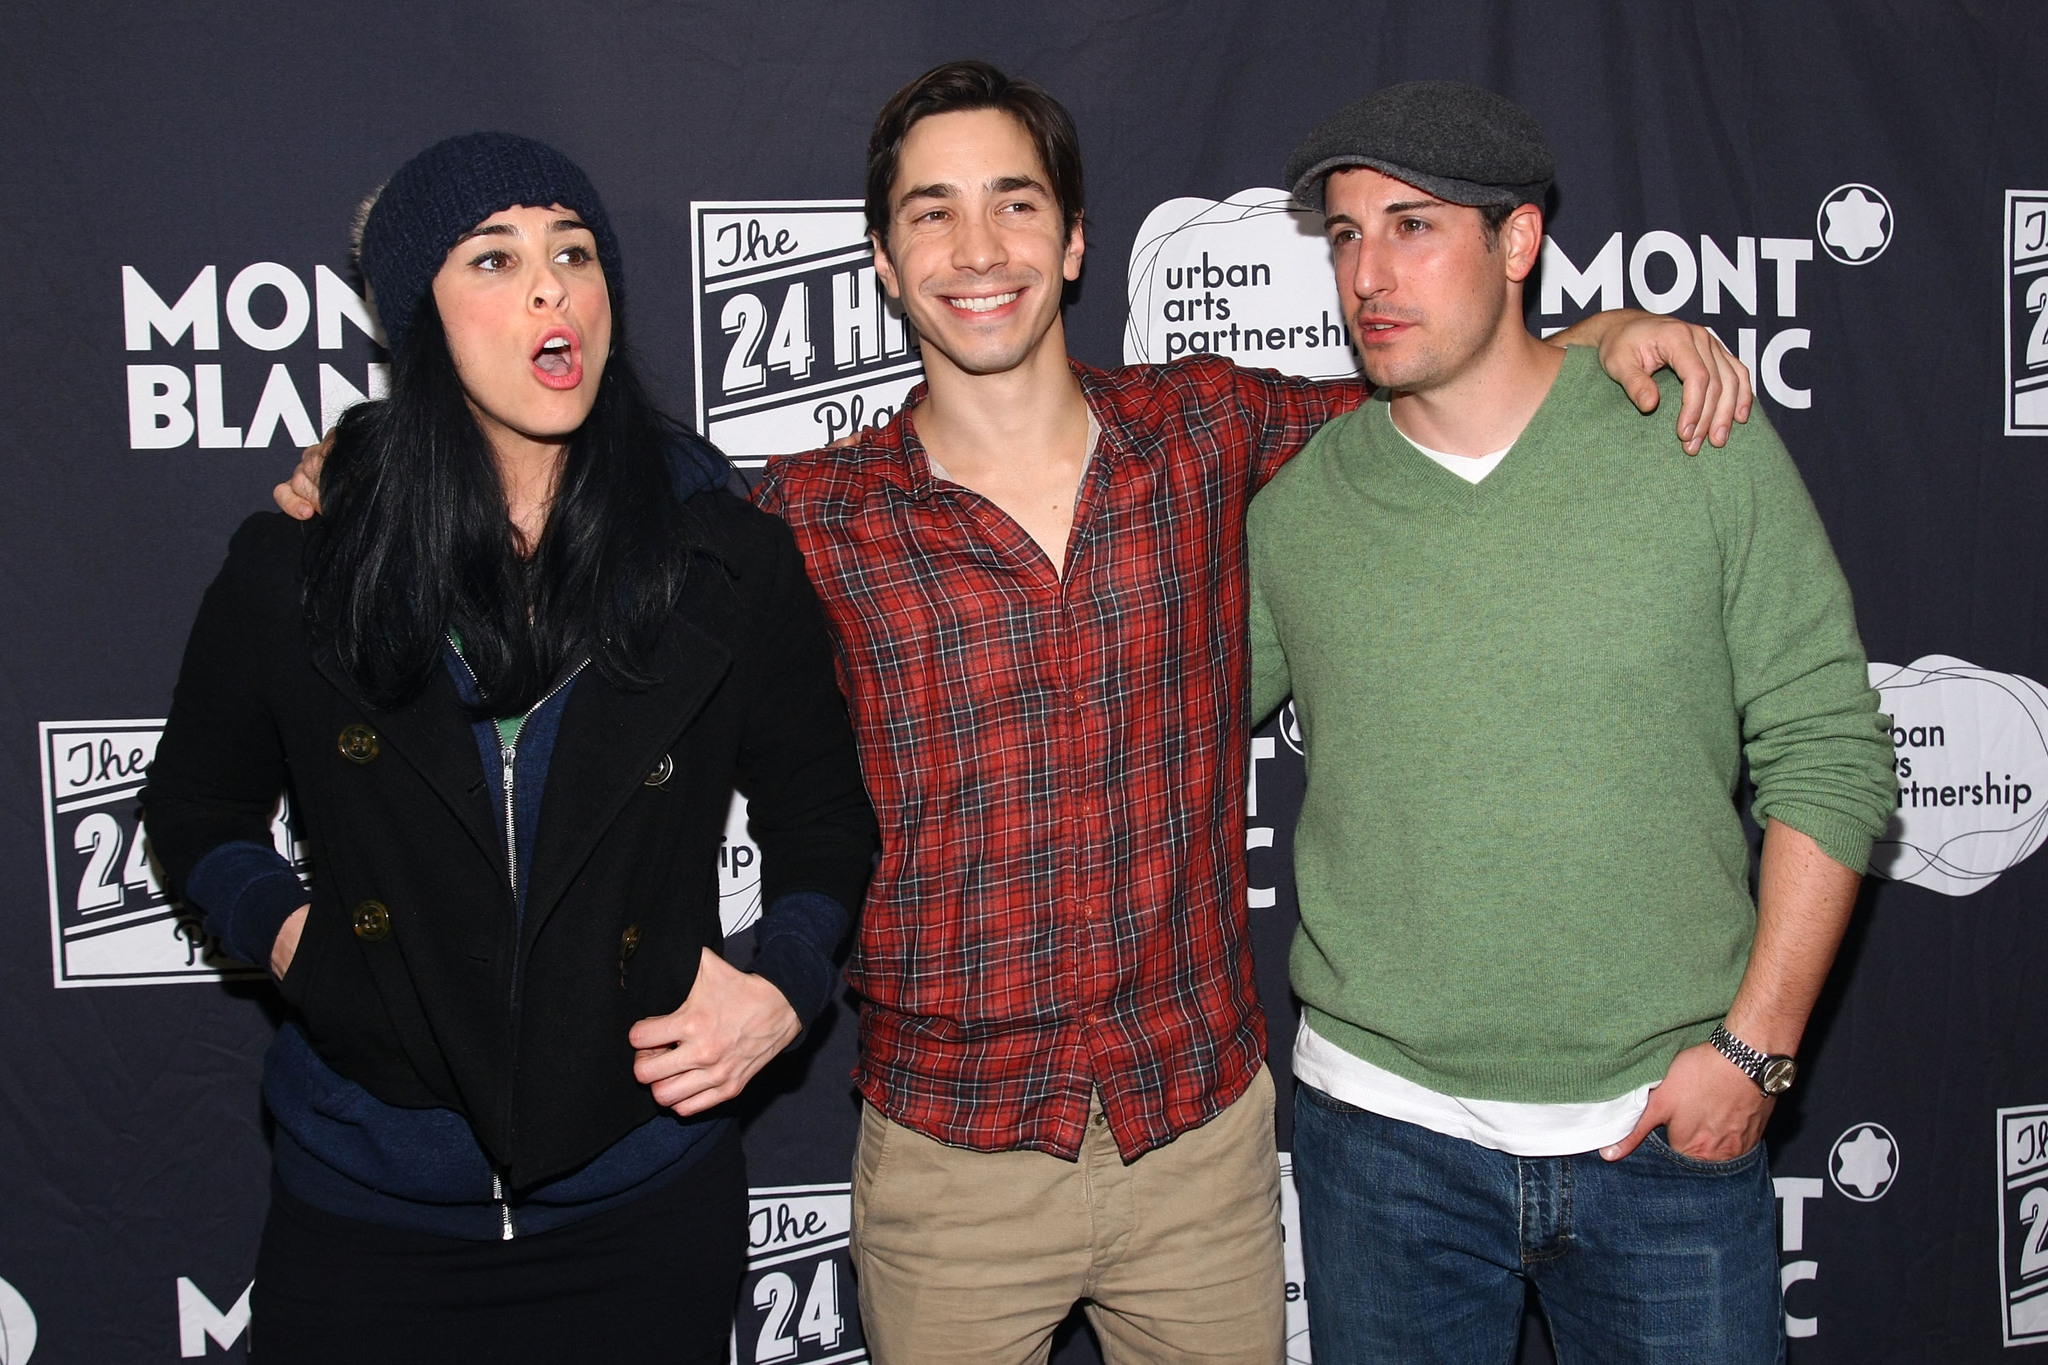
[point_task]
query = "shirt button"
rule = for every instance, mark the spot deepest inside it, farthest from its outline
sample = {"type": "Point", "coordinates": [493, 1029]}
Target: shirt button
{"type": "Point", "coordinates": [1102, 1120]}
{"type": "Point", "coordinates": [358, 743]}
{"type": "Point", "coordinates": [661, 772]}
{"type": "Point", "coordinates": [629, 941]}
{"type": "Point", "coordinates": [372, 921]}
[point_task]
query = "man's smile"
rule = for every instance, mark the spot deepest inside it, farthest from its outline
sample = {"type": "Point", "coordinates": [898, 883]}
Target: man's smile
{"type": "Point", "coordinates": [986, 303]}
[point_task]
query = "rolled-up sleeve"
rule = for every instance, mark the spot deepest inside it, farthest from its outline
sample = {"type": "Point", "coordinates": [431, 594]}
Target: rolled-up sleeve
{"type": "Point", "coordinates": [1819, 751]}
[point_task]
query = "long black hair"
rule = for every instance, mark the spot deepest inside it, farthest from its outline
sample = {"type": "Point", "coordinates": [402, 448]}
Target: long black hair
{"type": "Point", "coordinates": [415, 540]}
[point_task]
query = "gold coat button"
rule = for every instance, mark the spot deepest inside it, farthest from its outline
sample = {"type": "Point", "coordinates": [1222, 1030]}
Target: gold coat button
{"type": "Point", "coordinates": [661, 773]}
{"type": "Point", "coordinates": [629, 941]}
{"type": "Point", "coordinates": [359, 743]}
{"type": "Point", "coordinates": [372, 921]}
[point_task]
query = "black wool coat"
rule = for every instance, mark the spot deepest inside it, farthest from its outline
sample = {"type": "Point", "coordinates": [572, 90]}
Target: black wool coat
{"type": "Point", "coordinates": [416, 976]}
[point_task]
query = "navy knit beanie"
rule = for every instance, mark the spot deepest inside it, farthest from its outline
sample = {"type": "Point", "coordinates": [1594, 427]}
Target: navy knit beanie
{"type": "Point", "coordinates": [433, 199]}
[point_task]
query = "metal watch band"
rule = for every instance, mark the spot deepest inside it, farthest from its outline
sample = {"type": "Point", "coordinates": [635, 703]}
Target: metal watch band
{"type": "Point", "coordinates": [1749, 1060]}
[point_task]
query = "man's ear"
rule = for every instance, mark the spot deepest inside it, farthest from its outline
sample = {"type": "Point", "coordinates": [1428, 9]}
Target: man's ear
{"type": "Point", "coordinates": [1070, 263]}
{"type": "Point", "coordinates": [1521, 239]}
{"type": "Point", "coordinates": [885, 269]}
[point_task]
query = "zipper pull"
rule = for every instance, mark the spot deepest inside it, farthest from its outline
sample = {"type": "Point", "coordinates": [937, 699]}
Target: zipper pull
{"type": "Point", "coordinates": [504, 1209]}
{"type": "Point", "coordinates": [508, 756]}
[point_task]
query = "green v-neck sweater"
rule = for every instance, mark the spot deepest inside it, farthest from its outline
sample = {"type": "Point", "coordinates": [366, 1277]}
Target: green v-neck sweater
{"type": "Point", "coordinates": [1525, 705]}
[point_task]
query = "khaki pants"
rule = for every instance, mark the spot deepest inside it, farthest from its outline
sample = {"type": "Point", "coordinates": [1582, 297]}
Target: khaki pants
{"type": "Point", "coordinates": [975, 1257]}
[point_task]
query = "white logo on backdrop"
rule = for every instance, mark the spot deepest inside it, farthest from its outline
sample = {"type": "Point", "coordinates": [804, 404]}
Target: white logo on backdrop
{"type": "Point", "coordinates": [17, 1327]}
{"type": "Point", "coordinates": [797, 344]}
{"type": "Point", "coordinates": [1297, 1275]}
{"type": "Point", "coordinates": [1864, 1162]}
{"type": "Point", "coordinates": [2024, 282]}
{"type": "Point", "coordinates": [174, 405]}
{"type": "Point", "coordinates": [199, 1318]}
{"type": "Point", "coordinates": [1854, 224]}
{"type": "Point", "coordinates": [1663, 275]}
{"type": "Point", "coordinates": [796, 1302]}
{"type": "Point", "coordinates": [1290, 727]}
{"type": "Point", "coordinates": [2023, 1224]}
{"type": "Point", "coordinates": [1793, 1193]}
{"type": "Point", "coordinates": [1972, 762]}
{"type": "Point", "coordinates": [110, 921]}
{"type": "Point", "coordinates": [739, 872]}
{"type": "Point", "coordinates": [1247, 278]}
{"type": "Point", "coordinates": [1259, 835]}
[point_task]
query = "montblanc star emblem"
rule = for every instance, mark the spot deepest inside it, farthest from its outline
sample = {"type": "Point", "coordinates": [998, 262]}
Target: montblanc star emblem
{"type": "Point", "coordinates": [1865, 1162]}
{"type": "Point", "coordinates": [1855, 224]}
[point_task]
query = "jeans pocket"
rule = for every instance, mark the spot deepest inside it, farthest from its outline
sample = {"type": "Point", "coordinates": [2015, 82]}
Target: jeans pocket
{"type": "Point", "coordinates": [1323, 1099]}
{"type": "Point", "coordinates": [1657, 1142]}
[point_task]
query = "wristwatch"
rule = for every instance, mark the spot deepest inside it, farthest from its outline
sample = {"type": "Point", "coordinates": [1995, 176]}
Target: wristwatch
{"type": "Point", "coordinates": [1773, 1073]}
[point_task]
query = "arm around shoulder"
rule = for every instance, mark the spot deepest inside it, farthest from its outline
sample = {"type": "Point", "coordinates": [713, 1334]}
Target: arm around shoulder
{"type": "Point", "coordinates": [1634, 345]}
{"type": "Point", "coordinates": [220, 764]}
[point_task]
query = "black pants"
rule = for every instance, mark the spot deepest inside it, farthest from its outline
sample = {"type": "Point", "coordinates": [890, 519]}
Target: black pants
{"type": "Point", "coordinates": [654, 1280]}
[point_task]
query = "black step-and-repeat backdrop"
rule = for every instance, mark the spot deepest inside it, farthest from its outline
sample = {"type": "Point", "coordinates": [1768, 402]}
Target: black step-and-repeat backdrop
{"type": "Point", "coordinates": [1854, 194]}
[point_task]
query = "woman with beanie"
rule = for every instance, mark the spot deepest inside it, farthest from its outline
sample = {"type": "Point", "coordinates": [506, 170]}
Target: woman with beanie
{"type": "Point", "coordinates": [512, 673]}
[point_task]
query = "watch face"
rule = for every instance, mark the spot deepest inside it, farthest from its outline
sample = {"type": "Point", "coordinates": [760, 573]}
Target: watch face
{"type": "Point", "coordinates": [1778, 1075]}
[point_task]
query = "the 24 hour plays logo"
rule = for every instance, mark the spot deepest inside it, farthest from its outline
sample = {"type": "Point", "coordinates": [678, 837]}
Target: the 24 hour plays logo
{"type": "Point", "coordinates": [796, 1302]}
{"type": "Point", "coordinates": [2024, 280]}
{"type": "Point", "coordinates": [797, 344]}
{"type": "Point", "coordinates": [2023, 1224]}
{"type": "Point", "coordinates": [110, 922]}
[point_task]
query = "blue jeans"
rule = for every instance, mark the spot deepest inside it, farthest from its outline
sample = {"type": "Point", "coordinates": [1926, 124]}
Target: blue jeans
{"type": "Point", "coordinates": [1420, 1247]}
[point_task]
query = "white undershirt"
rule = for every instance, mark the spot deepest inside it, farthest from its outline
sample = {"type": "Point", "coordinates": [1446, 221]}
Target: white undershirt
{"type": "Point", "coordinates": [1087, 456]}
{"type": "Point", "coordinates": [1470, 468]}
{"type": "Point", "coordinates": [1504, 1125]}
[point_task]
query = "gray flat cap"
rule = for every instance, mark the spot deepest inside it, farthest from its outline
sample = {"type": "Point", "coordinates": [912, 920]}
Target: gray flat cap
{"type": "Point", "coordinates": [1456, 141]}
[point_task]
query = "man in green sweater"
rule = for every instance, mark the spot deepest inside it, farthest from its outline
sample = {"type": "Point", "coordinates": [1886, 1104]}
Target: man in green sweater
{"type": "Point", "coordinates": [1530, 644]}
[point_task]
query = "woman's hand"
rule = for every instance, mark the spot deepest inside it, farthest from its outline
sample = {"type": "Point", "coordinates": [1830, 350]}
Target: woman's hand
{"type": "Point", "coordinates": [285, 946]}
{"type": "Point", "coordinates": [707, 1051]}
{"type": "Point", "coordinates": [299, 496]}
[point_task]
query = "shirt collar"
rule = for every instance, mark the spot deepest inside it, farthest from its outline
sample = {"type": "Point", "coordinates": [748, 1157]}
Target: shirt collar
{"type": "Point", "coordinates": [1130, 425]}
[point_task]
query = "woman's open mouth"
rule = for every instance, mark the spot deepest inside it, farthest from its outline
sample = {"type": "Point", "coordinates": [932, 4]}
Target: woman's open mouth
{"type": "Point", "coordinates": [557, 361]}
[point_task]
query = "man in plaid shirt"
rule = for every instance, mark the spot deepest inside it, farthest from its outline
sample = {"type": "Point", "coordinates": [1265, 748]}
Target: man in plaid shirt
{"type": "Point", "coordinates": [1035, 575]}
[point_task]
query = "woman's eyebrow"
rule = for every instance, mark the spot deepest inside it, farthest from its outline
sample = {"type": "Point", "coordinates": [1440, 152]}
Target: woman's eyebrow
{"type": "Point", "coordinates": [488, 230]}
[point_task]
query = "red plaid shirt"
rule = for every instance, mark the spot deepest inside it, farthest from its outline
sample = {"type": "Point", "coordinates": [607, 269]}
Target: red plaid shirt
{"type": "Point", "coordinates": [1058, 763]}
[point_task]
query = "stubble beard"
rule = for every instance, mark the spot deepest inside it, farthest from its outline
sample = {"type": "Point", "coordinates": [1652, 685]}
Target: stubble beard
{"type": "Point", "coordinates": [1442, 357]}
